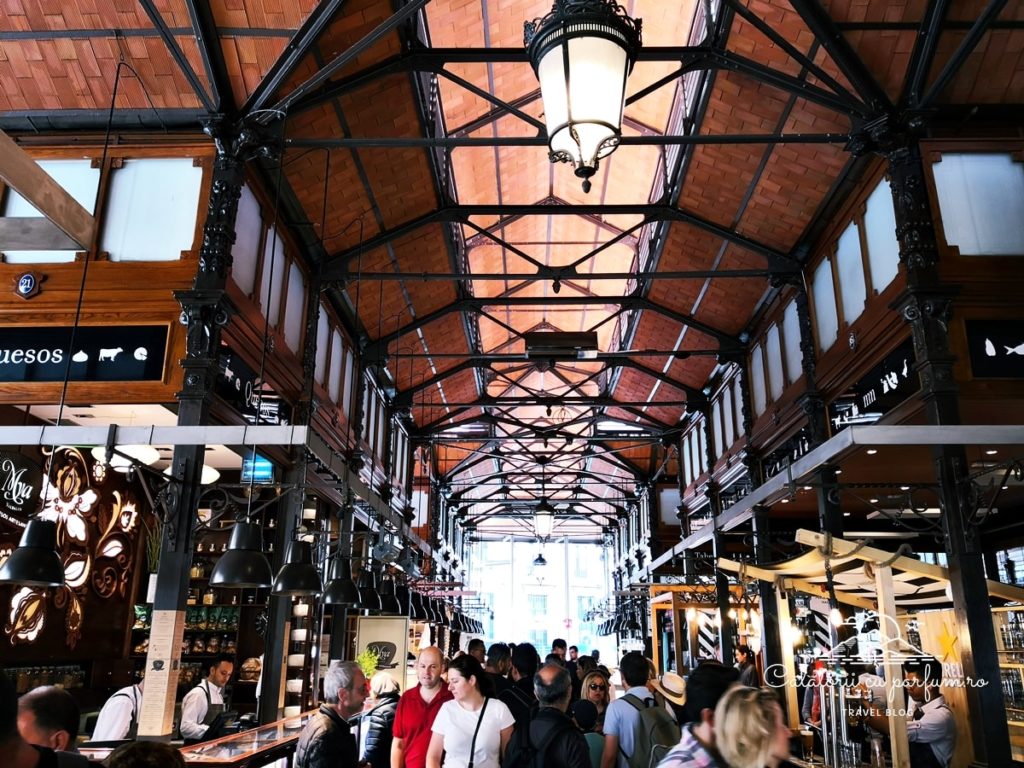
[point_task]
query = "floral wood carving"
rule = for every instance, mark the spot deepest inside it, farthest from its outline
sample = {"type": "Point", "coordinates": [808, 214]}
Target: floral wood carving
{"type": "Point", "coordinates": [96, 529]}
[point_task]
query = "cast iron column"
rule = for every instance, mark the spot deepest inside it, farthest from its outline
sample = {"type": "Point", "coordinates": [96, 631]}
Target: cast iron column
{"type": "Point", "coordinates": [926, 305]}
{"type": "Point", "coordinates": [713, 493]}
{"type": "Point", "coordinates": [205, 310]}
{"type": "Point", "coordinates": [289, 511]}
{"type": "Point", "coordinates": [771, 634]}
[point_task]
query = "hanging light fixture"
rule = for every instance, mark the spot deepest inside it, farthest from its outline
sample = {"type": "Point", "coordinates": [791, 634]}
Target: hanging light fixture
{"type": "Point", "coordinates": [369, 594]}
{"type": "Point", "coordinates": [539, 560]}
{"type": "Point", "coordinates": [208, 476]}
{"type": "Point", "coordinates": [243, 564]}
{"type": "Point", "coordinates": [298, 576]}
{"type": "Point", "coordinates": [35, 562]}
{"type": "Point", "coordinates": [543, 519]}
{"type": "Point", "coordinates": [388, 599]}
{"type": "Point", "coordinates": [340, 589]}
{"type": "Point", "coordinates": [582, 52]}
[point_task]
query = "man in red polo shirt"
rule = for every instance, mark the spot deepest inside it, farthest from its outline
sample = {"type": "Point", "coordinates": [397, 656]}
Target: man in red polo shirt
{"type": "Point", "coordinates": [416, 712]}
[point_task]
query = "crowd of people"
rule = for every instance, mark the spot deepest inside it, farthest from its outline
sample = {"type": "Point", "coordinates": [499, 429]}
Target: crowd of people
{"type": "Point", "coordinates": [504, 706]}
{"type": "Point", "coordinates": [498, 707]}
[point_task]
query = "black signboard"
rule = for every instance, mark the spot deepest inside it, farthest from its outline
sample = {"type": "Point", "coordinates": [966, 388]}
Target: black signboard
{"type": "Point", "coordinates": [883, 388]}
{"type": "Point", "coordinates": [101, 353]}
{"type": "Point", "coordinates": [996, 348]}
{"type": "Point", "coordinates": [21, 481]}
{"type": "Point", "coordinates": [240, 386]}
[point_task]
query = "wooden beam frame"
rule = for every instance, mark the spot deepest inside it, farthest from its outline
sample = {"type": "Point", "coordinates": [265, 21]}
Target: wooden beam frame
{"type": "Point", "coordinates": [20, 172]}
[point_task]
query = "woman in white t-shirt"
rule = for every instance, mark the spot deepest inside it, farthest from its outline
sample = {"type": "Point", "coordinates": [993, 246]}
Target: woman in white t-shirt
{"type": "Point", "coordinates": [471, 712]}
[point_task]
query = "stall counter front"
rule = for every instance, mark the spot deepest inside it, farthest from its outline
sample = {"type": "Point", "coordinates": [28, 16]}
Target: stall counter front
{"type": "Point", "coordinates": [248, 749]}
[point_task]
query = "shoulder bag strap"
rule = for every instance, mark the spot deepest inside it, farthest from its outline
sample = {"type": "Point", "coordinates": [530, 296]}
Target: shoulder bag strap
{"type": "Point", "coordinates": [472, 745]}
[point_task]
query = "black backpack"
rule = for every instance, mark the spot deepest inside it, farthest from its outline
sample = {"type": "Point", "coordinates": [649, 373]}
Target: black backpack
{"type": "Point", "coordinates": [521, 753]}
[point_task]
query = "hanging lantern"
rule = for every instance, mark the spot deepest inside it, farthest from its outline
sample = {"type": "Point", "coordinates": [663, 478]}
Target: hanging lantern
{"type": "Point", "coordinates": [582, 52]}
{"type": "Point", "coordinates": [543, 519]}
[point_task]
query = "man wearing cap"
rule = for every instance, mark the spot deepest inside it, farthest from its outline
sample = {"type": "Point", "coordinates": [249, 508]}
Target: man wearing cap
{"type": "Point", "coordinates": [705, 686]}
{"type": "Point", "coordinates": [416, 712]}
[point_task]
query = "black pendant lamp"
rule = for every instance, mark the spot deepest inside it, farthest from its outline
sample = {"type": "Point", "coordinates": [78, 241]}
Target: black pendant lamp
{"type": "Point", "coordinates": [340, 589]}
{"type": "Point", "coordinates": [369, 594]}
{"type": "Point", "coordinates": [35, 562]}
{"type": "Point", "coordinates": [243, 564]}
{"type": "Point", "coordinates": [404, 596]}
{"type": "Point", "coordinates": [419, 610]}
{"type": "Point", "coordinates": [298, 576]}
{"type": "Point", "coordinates": [388, 598]}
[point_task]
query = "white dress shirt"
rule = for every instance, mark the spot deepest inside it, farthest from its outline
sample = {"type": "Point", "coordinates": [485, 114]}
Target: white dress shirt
{"type": "Point", "coordinates": [193, 709]}
{"type": "Point", "coordinates": [115, 718]}
{"type": "Point", "coordinates": [936, 728]}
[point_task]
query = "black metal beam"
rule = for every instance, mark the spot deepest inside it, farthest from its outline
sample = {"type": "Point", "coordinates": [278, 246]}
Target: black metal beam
{"type": "Point", "coordinates": [966, 47]}
{"type": "Point", "coordinates": [472, 304]}
{"type": "Point", "coordinates": [787, 83]}
{"type": "Point", "coordinates": [841, 52]}
{"type": "Point", "coordinates": [561, 274]}
{"type": "Point", "coordinates": [341, 60]}
{"type": "Point", "coordinates": [454, 142]}
{"type": "Point", "coordinates": [178, 55]}
{"type": "Point", "coordinates": [208, 41]}
{"type": "Point", "coordinates": [923, 55]}
{"type": "Point", "coordinates": [791, 50]}
{"type": "Point", "coordinates": [337, 266]}
{"type": "Point", "coordinates": [83, 120]}
{"type": "Point", "coordinates": [300, 46]}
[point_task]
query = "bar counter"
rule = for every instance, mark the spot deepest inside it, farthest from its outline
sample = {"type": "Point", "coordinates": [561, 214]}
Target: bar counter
{"type": "Point", "coordinates": [248, 749]}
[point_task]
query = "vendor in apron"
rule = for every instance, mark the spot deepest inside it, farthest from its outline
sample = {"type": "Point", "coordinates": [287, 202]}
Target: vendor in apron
{"type": "Point", "coordinates": [931, 727]}
{"type": "Point", "coordinates": [119, 718]}
{"type": "Point", "coordinates": [203, 703]}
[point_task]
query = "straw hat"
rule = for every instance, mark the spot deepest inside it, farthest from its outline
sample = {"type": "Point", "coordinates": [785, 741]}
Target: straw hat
{"type": "Point", "coordinates": [672, 687]}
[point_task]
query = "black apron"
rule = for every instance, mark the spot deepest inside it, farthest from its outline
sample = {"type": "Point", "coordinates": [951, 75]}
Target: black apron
{"type": "Point", "coordinates": [212, 711]}
{"type": "Point", "coordinates": [921, 753]}
{"type": "Point", "coordinates": [922, 756]}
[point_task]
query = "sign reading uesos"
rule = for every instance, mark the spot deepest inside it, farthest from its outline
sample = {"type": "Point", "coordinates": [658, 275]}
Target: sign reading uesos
{"type": "Point", "coordinates": [21, 481]}
{"type": "Point", "coordinates": [100, 353]}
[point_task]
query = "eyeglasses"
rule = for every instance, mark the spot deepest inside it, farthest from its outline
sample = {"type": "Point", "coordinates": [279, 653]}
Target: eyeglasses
{"type": "Point", "coordinates": [598, 687]}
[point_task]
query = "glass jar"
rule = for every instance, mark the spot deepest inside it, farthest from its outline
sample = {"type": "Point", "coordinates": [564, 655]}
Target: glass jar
{"type": "Point", "coordinates": [209, 597]}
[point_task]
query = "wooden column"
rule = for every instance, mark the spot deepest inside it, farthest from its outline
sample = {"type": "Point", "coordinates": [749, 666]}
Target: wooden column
{"type": "Point", "coordinates": [771, 636]}
{"type": "Point", "coordinates": [785, 674]}
{"type": "Point", "coordinates": [892, 636]}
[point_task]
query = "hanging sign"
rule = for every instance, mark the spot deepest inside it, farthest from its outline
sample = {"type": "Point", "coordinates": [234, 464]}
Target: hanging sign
{"type": "Point", "coordinates": [100, 353]}
{"type": "Point", "coordinates": [884, 387]}
{"type": "Point", "coordinates": [21, 482]}
{"type": "Point", "coordinates": [241, 388]}
{"type": "Point", "coordinates": [996, 348]}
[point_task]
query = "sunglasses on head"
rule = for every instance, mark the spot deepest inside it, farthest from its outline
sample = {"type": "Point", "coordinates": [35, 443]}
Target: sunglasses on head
{"type": "Point", "coordinates": [598, 687]}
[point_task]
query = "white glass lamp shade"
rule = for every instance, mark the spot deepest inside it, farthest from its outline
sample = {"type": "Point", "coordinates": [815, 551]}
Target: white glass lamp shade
{"type": "Point", "coordinates": [542, 523]}
{"type": "Point", "coordinates": [119, 461]}
{"type": "Point", "coordinates": [208, 476]}
{"type": "Point", "coordinates": [583, 111]}
{"type": "Point", "coordinates": [582, 53]}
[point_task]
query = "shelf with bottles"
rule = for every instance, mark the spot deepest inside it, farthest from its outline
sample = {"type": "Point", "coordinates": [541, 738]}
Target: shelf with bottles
{"type": "Point", "coordinates": [1009, 629]}
{"type": "Point", "coordinates": [27, 677]}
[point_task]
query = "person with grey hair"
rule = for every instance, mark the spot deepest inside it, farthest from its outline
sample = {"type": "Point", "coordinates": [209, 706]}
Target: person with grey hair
{"type": "Point", "coordinates": [551, 738]}
{"type": "Point", "coordinates": [326, 740]}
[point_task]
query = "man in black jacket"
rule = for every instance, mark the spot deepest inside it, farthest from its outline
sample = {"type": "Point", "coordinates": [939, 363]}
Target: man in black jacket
{"type": "Point", "coordinates": [555, 738]}
{"type": "Point", "coordinates": [326, 740]}
{"type": "Point", "coordinates": [520, 698]}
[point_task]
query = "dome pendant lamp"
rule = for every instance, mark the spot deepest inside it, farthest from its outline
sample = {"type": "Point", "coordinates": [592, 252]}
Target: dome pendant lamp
{"type": "Point", "coordinates": [298, 576]}
{"type": "Point", "coordinates": [582, 52]}
{"type": "Point", "coordinates": [243, 564]}
{"type": "Point", "coordinates": [35, 562]}
{"type": "Point", "coordinates": [340, 589]}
